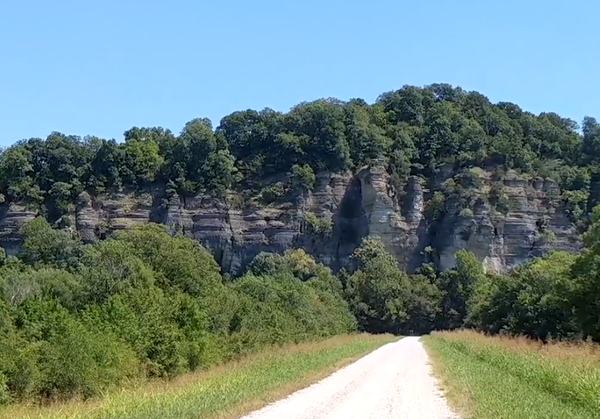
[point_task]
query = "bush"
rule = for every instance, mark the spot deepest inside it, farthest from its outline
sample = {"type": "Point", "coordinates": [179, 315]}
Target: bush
{"type": "Point", "coordinates": [147, 304]}
{"type": "Point", "coordinates": [283, 309]}
{"type": "Point", "coordinates": [533, 300]}
{"type": "Point", "coordinates": [575, 202]}
{"type": "Point", "coordinates": [383, 297]}
{"type": "Point", "coordinates": [83, 361]}
{"type": "Point", "coordinates": [320, 226]}
{"type": "Point", "coordinates": [466, 213]}
{"type": "Point", "coordinates": [272, 193]}
{"type": "Point", "coordinates": [472, 177]}
{"type": "Point", "coordinates": [4, 394]}
{"type": "Point", "coordinates": [435, 206]}
{"type": "Point", "coordinates": [54, 355]}
{"type": "Point", "coordinates": [303, 176]}
{"type": "Point", "coordinates": [498, 198]}
{"type": "Point", "coordinates": [44, 245]}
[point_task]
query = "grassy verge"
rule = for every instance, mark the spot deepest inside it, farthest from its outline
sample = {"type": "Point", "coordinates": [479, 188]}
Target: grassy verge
{"type": "Point", "coordinates": [224, 392]}
{"type": "Point", "coordinates": [498, 377]}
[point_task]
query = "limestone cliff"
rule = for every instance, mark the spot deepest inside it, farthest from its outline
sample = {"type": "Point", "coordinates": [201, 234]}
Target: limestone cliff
{"type": "Point", "coordinates": [350, 207]}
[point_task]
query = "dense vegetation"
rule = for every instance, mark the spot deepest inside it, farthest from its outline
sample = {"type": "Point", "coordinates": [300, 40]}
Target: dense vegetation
{"type": "Point", "coordinates": [76, 319]}
{"type": "Point", "coordinates": [225, 392]}
{"type": "Point", "coordinates": [414, 131]}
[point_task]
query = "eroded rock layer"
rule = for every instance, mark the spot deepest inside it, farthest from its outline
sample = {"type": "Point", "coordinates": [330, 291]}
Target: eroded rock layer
{"type": "Point", "coordinates": [350, 207]}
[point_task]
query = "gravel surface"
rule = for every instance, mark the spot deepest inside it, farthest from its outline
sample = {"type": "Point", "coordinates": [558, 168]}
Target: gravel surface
{"type": "Point", "coordinates": [393, 382]}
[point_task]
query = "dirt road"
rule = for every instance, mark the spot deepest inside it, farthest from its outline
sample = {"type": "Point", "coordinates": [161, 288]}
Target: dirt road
{"type": "Point", "coordinates": [392, 382]}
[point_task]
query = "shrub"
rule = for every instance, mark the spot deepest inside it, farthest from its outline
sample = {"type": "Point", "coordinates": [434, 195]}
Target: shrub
{"type": "Point", "coordinates": [4, 394]}
{"type": "Point", "coordinates": [575, 202]}
{"type": "Point", "coordinates": [436, 206]}
{"type": "Point", "coordinates": [322, 225]}
{"type": "Point", "coordinates": [83, 361]}
{"type": "Point", "coordinates": [466, 213]}
{"type": "Point", "coordinates": [44, 245]}
{"type": "Point", "coordinates": [272, 193]}
{"type": "Point", "coordinates": [472, 177]}
{"type": "Point", "coordinates": [303, 176]}
{"type": "Point", "coordinates": [283, 308]}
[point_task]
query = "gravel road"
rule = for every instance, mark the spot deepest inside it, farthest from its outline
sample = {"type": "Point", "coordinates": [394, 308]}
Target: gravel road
{"type": "Point", "coordinates": [393, 382]}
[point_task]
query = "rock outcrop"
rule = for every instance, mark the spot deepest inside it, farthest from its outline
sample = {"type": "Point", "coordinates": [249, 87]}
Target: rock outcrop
{"type": "Point", "coordinates": [12, 217]}
{"type": "Point", "coordinates": [348, 208]}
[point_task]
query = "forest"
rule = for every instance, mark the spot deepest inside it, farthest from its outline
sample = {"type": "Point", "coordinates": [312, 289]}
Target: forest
{"type": "Point", "coordinates": [415, 131]}
{"type": "Point", "coordinates": [79, 318]}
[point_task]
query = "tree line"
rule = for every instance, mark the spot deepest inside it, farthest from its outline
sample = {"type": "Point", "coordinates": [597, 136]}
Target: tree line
{"type": "Point", "coordinates": [414, 131]}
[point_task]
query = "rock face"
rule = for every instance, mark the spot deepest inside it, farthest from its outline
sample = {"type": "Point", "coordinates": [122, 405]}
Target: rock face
{"type": "Point", "coordinates": [534, 223]}
{"type": "Point", "coordinates": [12, 217]}
{"type": "Point", "coordinates": [331, 221]}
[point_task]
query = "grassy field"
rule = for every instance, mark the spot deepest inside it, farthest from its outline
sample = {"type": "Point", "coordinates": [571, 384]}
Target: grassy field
{"type": "Point", "coordinates": [499, 377]}
{"type": "Point", "coordinates": [224, 392]}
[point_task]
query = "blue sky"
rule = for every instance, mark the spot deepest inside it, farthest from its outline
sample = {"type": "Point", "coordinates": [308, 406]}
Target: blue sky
{"type": "Point", "coordinates": [100, 67]}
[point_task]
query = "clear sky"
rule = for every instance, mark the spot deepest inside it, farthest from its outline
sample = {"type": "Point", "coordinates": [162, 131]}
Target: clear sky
{"type": "Point", "coordinates": [100, 67]}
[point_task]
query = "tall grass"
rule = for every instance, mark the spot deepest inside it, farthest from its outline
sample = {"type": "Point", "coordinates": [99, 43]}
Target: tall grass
{"type": "Point", "coordinates": [223, 392]}
{"type": "Point", "coordinates": [502, 377]}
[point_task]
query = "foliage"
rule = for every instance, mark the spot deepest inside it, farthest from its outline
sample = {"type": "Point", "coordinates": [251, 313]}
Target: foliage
{"type": "Point", "coordinates": [273, 192]}
{"type": "Point", "coordinates": [436, 206]}
{"type": "Point", "coordinates": [535, 300]}
{"type": "Point", "coordinates": [294, 261]}
{"type": "Point", "coordinates": [76, 320]}
{"type": "Point", "coordinates": [457, 286]}
{"type": "Point", "coordinates": [319, 225]}
{"type": "Point", "coordinates": [43, 244]}
{"type": "Point", "coordinates": [576, 203]}
{"type": "Point", "coordinates": [585, 272]}
{"type": "Point", "coordinates": [466, 213]}
{"type": "Point", "coordinates": [413, 131]}
{"type": "Point", "coordinates": [384, 298]}
{"type": "Point", "coordinates": [230, 390]}
{"type": "Point", "coordinates": [303, 176]}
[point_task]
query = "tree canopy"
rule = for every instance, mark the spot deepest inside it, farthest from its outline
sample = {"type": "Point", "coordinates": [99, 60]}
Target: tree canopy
{"type": "Point", "coordinates": [413, 130]}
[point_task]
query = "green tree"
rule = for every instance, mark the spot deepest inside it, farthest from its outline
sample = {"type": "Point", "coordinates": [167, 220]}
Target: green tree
{"type": "Point", "coordinates": [378, 292]}
{"type": "Point", "coordinates": [106, 166]}
{"type": "Point", "coordinates": [535, 300]}
{"type": "Point", "coordinates": [201, 160]}
{"type": "Point", "coordinates": [318, 129]}
{"type": "Point", "coordinates": [457, 286]}
{"type": "Point", "coordinates": [251, 136]}
{"type": "Point", "coordinates": [591, 140]}
{"type": "Point", "coordinates": [586, 273]}
{"type": "Point", "coordinates": [303, 176]}
{"type": "Point", "coordinates": [141, 156]}
{"type": "Point", "coordinates": [43, 244]}
{"type": "Point", "coordinates": [367, 141]}
{"type": "Point", "coordinates": [17, 172]}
